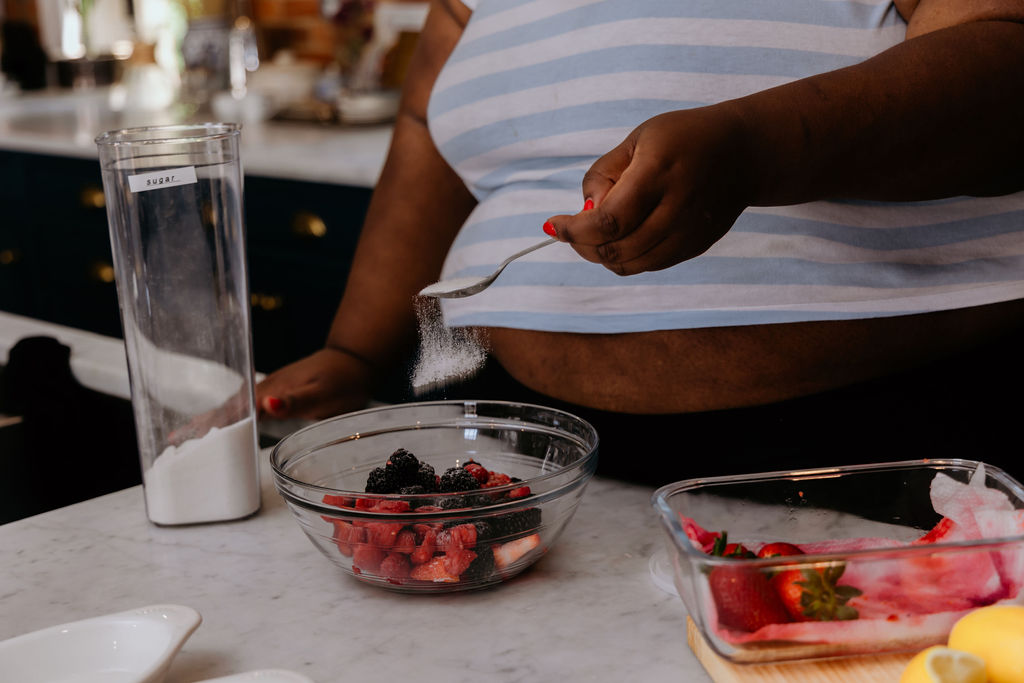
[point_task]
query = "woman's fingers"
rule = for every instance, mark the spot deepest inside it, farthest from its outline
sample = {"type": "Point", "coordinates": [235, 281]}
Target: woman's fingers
{"type": "Point", "coordinates": [605, 172]}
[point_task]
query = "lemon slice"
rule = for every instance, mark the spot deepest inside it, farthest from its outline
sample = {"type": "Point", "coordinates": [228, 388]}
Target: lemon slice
{"type": "Point", "coordinates": [940, 664]}
{"type": "Point", "coordinates": [996, 634]}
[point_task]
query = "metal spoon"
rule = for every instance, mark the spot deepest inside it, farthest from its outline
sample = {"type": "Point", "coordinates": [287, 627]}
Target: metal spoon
{"type": "Point", "coordinates": [466, 286]}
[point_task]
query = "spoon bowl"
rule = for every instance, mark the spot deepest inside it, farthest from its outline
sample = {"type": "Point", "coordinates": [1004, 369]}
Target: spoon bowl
{"type": "Point", "coordinates": [459, 287]}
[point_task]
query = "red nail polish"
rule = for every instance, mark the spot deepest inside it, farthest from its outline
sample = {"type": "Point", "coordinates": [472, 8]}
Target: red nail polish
{"type": "Point", "coordinates": [550, 229]}
{"type": "Point", "coordinates": [588, 205]}
{"type": "Point", "coordinates": [274, 404]}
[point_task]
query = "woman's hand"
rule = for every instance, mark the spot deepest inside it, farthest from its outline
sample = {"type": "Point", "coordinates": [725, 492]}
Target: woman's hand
{"type": "Point", "coordinates": [666, 194]}
{"type": "Point", "coordinates": [329, 382]}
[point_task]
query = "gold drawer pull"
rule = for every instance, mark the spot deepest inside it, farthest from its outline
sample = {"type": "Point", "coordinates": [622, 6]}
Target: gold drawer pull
{"type": "Point", "coordinates": [266, 302]}
{"type": "Point", "coordinates": [101, 272]}
{"type": "Point", "coordinates": [306, 224]}
{"type": "Point", "coordinates": [8, 257]}
{"type": "Point", "coordinates": [92, 197]}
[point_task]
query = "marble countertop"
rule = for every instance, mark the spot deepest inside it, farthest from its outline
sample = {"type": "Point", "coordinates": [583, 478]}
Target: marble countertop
{"type": "Point", "coordinates": [66, 123]}
{"type": "Point", "coordinates": [588, 611]}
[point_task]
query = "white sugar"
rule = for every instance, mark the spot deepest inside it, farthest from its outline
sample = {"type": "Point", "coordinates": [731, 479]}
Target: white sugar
{"type": "Point", "coordinates": [446, 286]}
{"type": "Point", "coordinates": [446, 354]}
{"type": "Point", "coordinates": [205, 480]}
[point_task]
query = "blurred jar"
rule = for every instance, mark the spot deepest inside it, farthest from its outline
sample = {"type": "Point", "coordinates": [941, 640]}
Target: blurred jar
{"type": "Point", "coordinates": [385, 39]}
{"type": "Point", "coordinates": [146, 85]}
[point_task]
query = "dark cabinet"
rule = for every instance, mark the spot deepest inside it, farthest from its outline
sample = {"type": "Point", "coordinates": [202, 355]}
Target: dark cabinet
{"type": "Point", "coordinates": [55, 260]}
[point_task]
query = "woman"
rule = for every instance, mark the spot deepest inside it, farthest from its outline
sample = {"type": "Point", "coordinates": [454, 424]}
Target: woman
{"type": "Point", "coordinates": [812, 199]}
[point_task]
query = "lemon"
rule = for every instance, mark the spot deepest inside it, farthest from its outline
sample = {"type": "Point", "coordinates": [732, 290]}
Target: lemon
{"type": "Point", "coordinates": [996, 634]}
{"type": "Point", "coordinates": [940, 664]}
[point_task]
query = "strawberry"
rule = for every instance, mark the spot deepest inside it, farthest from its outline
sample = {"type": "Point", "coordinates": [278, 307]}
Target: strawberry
{"type": "Point", "coordinates": [405, 542]}
{"type": "Point", "coordinates": [519, 492]}
{"type": "Point", "coordinates": [366, 558]}
{"type": "Point", "coordinates": [812, 593]}
{"type": "Point", "coordinates": [723, 548]}
{"type": "Point", "coordinates": [944, 528]}
{"type": "Point", "coordinates": [424, 552]}
{"type": "Point", "coordinates": [778, 549]}
{"type": "Point", "coordinates": [341, 536]}
{"type": "Point", "coordinates": [394, 567]}
{"type": "Point", "coordinates": [388, 505]}
{"type": "Point", "coordinates": [383, 534]}
{"type": "Point", "coordinates": [497, 479]}
{"type": "Point", "coordinates": [434, 570]}
{"type": "Point", "coordinates": [457, 560]}
{"type": "Point", "coordinates": [744, 598]}
{"type": "Point", "coordinates": [460, 536]}
{"type": "Point", "coordinates": [507, 553]}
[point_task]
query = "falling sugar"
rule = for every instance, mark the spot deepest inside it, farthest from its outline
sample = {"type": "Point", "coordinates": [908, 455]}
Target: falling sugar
{"type": "Point", "coordinates": [446, 354]}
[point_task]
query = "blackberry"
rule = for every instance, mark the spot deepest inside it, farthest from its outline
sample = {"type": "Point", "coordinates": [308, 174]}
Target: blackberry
{"type": "Point", "coordinates": [405, 466]}
{"type": "Point", "coordinates": [458, 479]}
{"type": "Point", "coordinates": [426, 477]}
{"type": "Point", "coordinates": [381, 480]}
{"type": "Point", "coordinates": [452, 502]}
{"type": "Point", "coordinates": [515, 523]}
{"type": "Point", "coordinates": [412, 490]}
{"type": "Point", "coordinates": [482, 565]}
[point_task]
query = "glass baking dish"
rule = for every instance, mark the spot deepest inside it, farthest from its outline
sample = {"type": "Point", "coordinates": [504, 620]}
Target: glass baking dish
{"type": "Point", "coordinates": [890, 555]}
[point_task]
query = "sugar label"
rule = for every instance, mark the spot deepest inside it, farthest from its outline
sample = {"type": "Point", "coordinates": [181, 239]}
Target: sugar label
{"type": "Point", "coordinates": [186, 175]}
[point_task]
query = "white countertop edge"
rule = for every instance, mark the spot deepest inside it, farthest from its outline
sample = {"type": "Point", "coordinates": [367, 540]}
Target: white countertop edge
{"type": "Point", "coordinates": [98, 362]}
{"type": "Point", "coordinates": [65, 124]}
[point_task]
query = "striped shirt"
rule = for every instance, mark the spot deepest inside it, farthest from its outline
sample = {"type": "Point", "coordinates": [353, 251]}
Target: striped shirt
{"type": "Point", "coordinates": [536, 90]}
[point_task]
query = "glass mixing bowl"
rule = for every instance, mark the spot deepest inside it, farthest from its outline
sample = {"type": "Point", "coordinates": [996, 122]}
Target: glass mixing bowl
{"type": "Point", "coordinates": [888, 556]}
{"type": "Point", "coordinates": [532, 465]}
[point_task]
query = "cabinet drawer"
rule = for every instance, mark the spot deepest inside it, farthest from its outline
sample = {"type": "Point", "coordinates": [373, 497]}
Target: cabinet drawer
{"type": "Point", "coordinates": [304, 217]}
{"type": "Point", "coordinates": [293, 303]}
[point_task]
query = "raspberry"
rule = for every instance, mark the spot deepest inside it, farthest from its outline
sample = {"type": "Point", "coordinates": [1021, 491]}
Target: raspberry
{"type": "Point", "coordinates": [478, 471]}
{"type": "Point", "coordinates": [457, 479]}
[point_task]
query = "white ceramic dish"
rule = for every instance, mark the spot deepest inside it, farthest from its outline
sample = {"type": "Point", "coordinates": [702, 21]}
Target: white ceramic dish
{"type": "Point", "coordinates": [262, 676]}
{"type": "Point", "coordinates": [136, 646]}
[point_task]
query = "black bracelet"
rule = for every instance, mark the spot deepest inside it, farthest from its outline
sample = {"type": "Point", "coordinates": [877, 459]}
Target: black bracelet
{"type": "Point", "coordinates": [349, 352]}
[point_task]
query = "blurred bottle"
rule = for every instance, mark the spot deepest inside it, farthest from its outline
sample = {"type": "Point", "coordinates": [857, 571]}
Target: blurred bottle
{"type": "Point", "coordinates": [22, 57]}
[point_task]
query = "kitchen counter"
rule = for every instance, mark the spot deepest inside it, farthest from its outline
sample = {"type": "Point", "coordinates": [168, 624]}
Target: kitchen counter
{"type": "Point", "coordinates": [588, 611]}
{"type": "Point", "coordinates": [65, 123]}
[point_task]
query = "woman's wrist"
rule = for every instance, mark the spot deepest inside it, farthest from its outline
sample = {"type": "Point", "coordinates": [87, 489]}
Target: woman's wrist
{"type": "Point", "coordinates": [355, 355]}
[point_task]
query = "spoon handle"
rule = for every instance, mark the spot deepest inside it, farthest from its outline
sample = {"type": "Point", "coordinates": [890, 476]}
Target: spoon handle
{"type": "Point", "coordinates": [526, 251]}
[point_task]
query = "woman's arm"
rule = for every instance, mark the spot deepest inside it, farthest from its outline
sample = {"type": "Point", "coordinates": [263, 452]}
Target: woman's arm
{"type": "Point", "coordinates": [417, 208]}
{"type": "Point", "coordinates": [938, 115]}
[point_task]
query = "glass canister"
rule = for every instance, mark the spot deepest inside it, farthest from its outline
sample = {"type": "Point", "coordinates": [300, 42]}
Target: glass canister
{"type": "Point", "coordinates": [174, 206]}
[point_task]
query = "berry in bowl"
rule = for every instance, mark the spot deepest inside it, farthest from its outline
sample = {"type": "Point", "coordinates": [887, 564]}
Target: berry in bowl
{"type": "Point", "coordinates": [867, 559]}
{"type": "Point", "coordinates": [436, 496]}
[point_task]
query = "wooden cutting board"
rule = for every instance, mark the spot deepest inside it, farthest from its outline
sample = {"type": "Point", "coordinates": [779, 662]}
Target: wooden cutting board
{"type": "Point", "coordinates": [860, 669]}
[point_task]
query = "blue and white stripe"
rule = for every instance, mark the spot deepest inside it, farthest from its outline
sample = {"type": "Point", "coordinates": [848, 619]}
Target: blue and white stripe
{"type": "Point", "coordinates": [537, 90]}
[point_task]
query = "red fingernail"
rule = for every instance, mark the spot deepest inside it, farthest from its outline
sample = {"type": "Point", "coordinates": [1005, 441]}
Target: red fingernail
{"type": "Point", "coordinates": [588, 205]}
{"type": "Point", "coordinates": [550, 229]}
{"type": "Point", "coordinates": [274, 404]}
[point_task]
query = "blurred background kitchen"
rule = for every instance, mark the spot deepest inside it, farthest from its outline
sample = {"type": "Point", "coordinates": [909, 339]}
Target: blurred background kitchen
{"type": "Point", "coordinates": [314, 83]}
